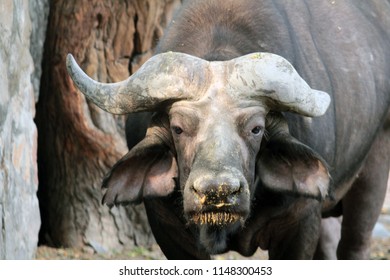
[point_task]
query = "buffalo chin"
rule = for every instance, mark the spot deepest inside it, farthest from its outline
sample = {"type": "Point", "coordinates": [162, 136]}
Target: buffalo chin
{"type": "Point", "coordinates": [214, 238]}
{"type": "Point", "coordinates": [215, 228]}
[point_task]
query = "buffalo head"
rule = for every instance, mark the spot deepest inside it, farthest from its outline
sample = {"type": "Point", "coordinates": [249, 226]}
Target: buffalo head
{"type": "Point", "coordinates": [217, 133]}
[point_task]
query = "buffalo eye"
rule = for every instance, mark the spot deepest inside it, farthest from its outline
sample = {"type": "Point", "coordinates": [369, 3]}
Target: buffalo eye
{"type": "Point", "coordinates": [177, 130]}
{"type": "Point", "coordinates": [256, 130]}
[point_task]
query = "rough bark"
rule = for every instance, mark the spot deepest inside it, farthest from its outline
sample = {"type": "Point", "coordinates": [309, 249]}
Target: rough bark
{"type": "Point", "coordinates": [78, 142]}
{"type": "Point", "coordinates": [19, 212]}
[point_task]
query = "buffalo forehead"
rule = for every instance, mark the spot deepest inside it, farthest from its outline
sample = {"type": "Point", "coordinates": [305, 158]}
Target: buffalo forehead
{"type": "Point", "coordinates": [216, 97]}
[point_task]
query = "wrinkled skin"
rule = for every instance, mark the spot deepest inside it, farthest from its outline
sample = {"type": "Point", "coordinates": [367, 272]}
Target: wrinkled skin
{"type": "Point", "coordinates": [219, 174]}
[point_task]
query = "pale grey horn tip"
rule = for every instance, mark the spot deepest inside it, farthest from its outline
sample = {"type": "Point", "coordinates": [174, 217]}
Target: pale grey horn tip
{"type": "Point", "coordinates": [71, 65]}
{"type": "Point", "coordinates": [69, 56]}
{"type": "Point", "coordinates": [69, 60]}
{"type": "Point", "coordinates": [322, 103]}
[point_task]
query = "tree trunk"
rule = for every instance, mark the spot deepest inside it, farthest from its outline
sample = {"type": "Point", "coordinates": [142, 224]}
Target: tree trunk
{"type": "Point", "coordinates": [78, 142]}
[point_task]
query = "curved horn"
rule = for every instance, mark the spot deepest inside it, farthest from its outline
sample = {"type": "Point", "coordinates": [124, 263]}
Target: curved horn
{"type": "Point", "coordinates": [164, 77]}
{"type": "Point", "coordinates": [270, 75]}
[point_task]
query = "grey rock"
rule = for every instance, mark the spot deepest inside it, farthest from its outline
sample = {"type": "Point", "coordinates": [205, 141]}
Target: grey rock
{"type": "Point", "coordinates": [39, 13]}
{"type": "Point", "coordinates": [97, 247]}
{"type": "Point", "coordinates": [19, 210]}
{"type": "Point", "coordinates": [380, 231]}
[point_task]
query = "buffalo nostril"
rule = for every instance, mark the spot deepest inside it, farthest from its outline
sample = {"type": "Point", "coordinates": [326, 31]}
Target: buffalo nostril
{"type": "Point", "coordinates": [219, 193]}
{"type": "Point", "coordinates": [225, 184]}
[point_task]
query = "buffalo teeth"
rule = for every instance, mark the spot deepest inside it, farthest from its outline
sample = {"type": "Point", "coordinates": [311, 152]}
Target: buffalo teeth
{"type": "Point", "coordinates": [215, 218]}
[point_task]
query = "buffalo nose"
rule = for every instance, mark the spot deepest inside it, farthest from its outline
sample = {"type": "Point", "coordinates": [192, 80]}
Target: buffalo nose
{"type": "Point", "coordinates": [218, 191]}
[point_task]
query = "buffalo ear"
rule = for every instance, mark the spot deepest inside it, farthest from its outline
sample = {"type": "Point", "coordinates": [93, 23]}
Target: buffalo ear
{"type": "Point", "coordinates": [148, 169]}
{"type": "Point", "coordinates": [287, 165]}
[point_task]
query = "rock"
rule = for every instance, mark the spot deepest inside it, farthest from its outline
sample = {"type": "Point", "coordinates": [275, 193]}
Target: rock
{"type": "Point", "coordinates": [380, 231]}
{"type": "Point", "coordinates": [19, 210]}
{"type": "Point", "coordinates": [97, 247]}
{"type": "Point", "coordinates": [39, 12]}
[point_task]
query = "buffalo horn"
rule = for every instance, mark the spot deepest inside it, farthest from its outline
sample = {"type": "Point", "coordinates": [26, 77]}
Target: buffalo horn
{"type": "Point", "coordinates": [176, 76]}
{"type": "Point", "coordinates": [260, 75]}
{"type": "Point", "coordinates": [164, 77]}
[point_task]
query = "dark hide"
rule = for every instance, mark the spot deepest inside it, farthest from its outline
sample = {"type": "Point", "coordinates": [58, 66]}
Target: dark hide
{"type": "Point", "coordinates": [341, 47]}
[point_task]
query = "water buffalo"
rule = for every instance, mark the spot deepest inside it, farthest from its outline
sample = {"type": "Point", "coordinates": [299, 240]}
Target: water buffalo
{"type": "Point", "coordinates": [268, 116]}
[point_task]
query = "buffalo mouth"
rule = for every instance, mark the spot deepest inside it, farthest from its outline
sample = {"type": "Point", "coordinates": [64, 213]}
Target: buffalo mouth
{"type": "Point", "coordinates": [216, 218]}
